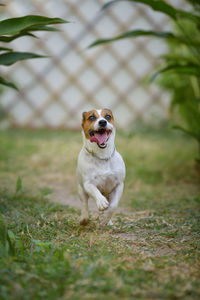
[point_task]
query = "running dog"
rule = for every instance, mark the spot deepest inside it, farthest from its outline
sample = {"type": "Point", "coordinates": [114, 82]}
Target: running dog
{"type": "Point", "coordinates": [101, 169]}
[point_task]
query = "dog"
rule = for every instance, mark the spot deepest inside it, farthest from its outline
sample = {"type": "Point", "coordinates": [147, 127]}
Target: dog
{"type": "Point", "coordinates": [100, 168]}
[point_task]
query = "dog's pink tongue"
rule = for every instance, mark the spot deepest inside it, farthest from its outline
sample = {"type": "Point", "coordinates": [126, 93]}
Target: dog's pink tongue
{"type": "Point", "coordinates": [99, 138]}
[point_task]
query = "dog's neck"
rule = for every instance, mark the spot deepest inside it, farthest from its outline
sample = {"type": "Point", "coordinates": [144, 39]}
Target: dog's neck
{"type": "Point", "coordinates": [94, 149]}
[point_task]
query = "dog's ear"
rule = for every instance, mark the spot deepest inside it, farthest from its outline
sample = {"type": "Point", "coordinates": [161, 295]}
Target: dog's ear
{"type": "Point", "coordinates": [83, 117]}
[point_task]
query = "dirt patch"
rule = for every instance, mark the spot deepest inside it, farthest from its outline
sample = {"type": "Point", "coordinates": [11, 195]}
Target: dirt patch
{"type": "Point", "coordinates": [126, 236]}
{"type": "Point", "coordinates": [62, 196]}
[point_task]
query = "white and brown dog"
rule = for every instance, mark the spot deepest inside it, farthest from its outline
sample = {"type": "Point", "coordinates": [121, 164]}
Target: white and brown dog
{"type": "Point", "coordinates": [101, 169]}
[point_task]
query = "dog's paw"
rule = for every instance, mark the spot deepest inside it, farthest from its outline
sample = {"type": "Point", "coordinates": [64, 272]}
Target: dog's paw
{"type": "Point", "coordinates": [84, 221]}
{"type": "Point", "coordinates": [102, 203]}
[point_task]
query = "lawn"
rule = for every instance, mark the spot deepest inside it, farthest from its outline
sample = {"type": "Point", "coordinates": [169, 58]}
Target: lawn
{"type": "Point", "coordinates": [151, 253]}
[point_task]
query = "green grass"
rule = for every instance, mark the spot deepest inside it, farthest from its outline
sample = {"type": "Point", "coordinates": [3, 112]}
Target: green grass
{"type": "Point", "coordinates": [153, 253]}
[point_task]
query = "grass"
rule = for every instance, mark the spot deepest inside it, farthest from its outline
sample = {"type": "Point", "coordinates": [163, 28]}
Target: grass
{"type": "Point", "coordinates": [153, 253]}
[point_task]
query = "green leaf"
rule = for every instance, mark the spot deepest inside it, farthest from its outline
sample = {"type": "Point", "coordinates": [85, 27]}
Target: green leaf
{"type": "Point", "coordinates": [170, 36]}
{"type": "Point", "coordinates": [8, 83]}
{"type": "Point", "coordinates": [180, 58]}
{"type": "Point", "coordinates": [192, 134]}
{"type": "Point", "coordinates": [10, 58]}
{"type": "Point", "coordinates": [188, 69]}
{"type": "Point", "coordinates": [134, 34]}
{"type": "Point", "coordinates": [139, 33]}
{"type": "Point", "coordinates": [19, 184]}
{"type": "Point", "coordinates": [13, 26]}
{"type": "Point", "coordinates": [3, 234]}
{"type": "Point", "coordinates": [42, 28]}
{"type": "Point", "coordinates": [189, 111]}
{"type": "Point", "coordinates": [5, 49]}
{"type": "Point", "coordinates": [162, 7]}
{"type": "Point", "coordinates": [6, 245]}
{"type": "Point", "coordinates": [27, 32]}
{"type": "Point", "coordinates": [189, 16]}
{"type": "Point", "coordinates": [11, 242]}
{"type": "Point", "coordinates": [8, 39]}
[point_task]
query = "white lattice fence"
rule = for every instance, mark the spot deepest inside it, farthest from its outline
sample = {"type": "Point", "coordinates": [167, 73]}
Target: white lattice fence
{"type": "Point", "coordinates": [54, 91]}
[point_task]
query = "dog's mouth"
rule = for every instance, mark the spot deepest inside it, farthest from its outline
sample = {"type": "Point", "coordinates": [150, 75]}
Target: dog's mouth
{"type": "Point", "coordinates": [100, 137]}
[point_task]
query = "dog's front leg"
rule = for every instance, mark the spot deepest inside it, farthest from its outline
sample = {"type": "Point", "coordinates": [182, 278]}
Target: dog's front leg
{"type": "Point", "coordinates": [84, 209]}
{"type": "Point", "coordinates": [114, 200]}
{"type": "Point", "coordinates": [92, 191]}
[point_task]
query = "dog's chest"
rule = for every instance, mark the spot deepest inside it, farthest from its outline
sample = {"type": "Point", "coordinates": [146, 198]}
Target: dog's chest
{"type": "Point", "coordinates": [106, 182]}
{"type": "Point", "coordinates": [104, 175]}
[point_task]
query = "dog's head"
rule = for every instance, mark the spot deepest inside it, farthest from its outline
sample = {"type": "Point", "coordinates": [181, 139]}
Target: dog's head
{"type": "Point", "coordinates": [98, 126]}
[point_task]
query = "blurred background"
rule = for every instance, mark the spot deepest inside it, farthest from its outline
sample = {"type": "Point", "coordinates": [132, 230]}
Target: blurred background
{"type": "Point", "coordinates": [55, 91]}
{"type": "Point", "coordinates": [152, 252]}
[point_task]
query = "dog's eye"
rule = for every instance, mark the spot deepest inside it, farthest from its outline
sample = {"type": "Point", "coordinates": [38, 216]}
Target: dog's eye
{"type": "Point", "coordinates": [108, 117]}
{"type": "Point", "coordinates": [92, 118]}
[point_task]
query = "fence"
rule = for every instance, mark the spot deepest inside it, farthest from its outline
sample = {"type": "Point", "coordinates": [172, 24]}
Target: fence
{"type": "Point", "coordinates": [54, 91]}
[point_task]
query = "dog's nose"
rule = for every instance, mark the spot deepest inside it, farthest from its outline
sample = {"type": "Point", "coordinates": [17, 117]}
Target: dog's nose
{"type": "Point", "coordinates": [102, 123]}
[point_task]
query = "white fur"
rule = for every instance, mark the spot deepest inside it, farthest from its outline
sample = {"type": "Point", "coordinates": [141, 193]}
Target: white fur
{"type": "Point", "coordinates": [100, 176]}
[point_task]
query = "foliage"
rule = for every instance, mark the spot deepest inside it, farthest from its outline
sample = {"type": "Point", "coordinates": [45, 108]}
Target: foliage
{"type": "Point", "coordinates": [153, 253]}
{"type": "Point", "coordinates": [14, 28]}
{"type": "Point", "coordinates": [18, 184]}
{"type": "Point", "coordinates": [6, 245]}
{"type": "Point", "coordinates": [185, 89]}
{"type": "Point", "coordinates": [181, 64]}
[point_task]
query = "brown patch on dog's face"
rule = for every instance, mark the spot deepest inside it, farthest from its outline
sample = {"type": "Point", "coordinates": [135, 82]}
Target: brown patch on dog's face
{"type": "Point", "coordinates": [107, 114]}
{"type": "Point", "coordinates": [89, 118]}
